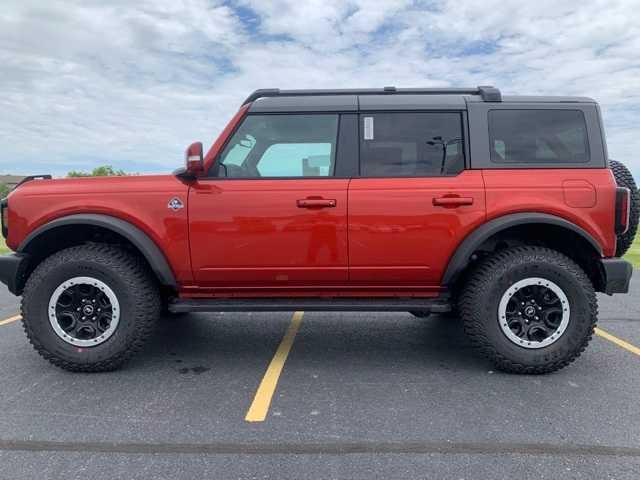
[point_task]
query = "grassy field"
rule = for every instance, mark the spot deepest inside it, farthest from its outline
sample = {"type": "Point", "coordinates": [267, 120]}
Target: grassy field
{"type": "Point", "coordinates": [633, 255]}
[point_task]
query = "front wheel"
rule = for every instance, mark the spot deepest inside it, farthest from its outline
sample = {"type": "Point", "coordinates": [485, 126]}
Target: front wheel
{"type": "Point", "coordinates": [90, 308]}
{"type": "Point", "coordinates": [529, 309]}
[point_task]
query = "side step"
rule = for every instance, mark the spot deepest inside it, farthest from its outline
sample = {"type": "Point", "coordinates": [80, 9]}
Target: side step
{"type": "Point", "coordinates": [329, 304]}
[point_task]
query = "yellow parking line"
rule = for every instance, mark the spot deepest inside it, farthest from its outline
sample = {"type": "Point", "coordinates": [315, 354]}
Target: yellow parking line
{"type": "Point", "coordinates": [618, 341]}
{"type": "Point", "coordinates": [15, 318]}
{"type": "Point", "coordinates": [262, 400]}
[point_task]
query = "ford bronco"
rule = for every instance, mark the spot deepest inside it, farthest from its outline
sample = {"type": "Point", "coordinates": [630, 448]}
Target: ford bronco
{"type": "Point", "coordinates": [503, 211]}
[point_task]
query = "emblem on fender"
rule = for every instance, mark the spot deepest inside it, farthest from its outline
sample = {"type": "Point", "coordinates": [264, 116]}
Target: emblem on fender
{"type": "Point", "coordinates": [175, 204]}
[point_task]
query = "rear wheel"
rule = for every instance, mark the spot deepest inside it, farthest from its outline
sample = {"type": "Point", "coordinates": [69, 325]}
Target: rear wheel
{"type": "Point", "coordinates": [529, 309]}
{"type": "Point", "coordinates": [625, 179]}
{"type": "Point", "coordinates": [90, 308]}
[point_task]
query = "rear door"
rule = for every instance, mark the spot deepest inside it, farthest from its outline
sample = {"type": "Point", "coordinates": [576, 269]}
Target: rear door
{"type": "Point", "coordinates": [414, 201]}
{"type": "Point", "coordinates": [273, 214]}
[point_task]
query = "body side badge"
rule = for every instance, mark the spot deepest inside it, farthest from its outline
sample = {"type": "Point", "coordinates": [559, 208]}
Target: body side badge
{"type": "Point", "coordinates": [175, 204]}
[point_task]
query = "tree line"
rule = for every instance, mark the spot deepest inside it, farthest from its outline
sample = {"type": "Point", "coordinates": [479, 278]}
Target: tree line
{"type": "Point", "coordinates": [101, 171]}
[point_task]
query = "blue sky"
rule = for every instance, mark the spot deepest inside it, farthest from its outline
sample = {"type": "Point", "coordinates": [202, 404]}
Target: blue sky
{"type": "Point", "coordinates": [131, 84]}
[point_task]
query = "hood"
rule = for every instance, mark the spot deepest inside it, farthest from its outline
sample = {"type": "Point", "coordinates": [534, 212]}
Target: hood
{"type": "Point", "coordinates": [115, 184]}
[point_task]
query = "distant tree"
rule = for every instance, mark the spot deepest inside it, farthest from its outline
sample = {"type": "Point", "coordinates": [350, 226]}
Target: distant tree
{"type": "Point", "coordinates": [4, 190]}
{"type": "Point", "coordinates": [102, 171]}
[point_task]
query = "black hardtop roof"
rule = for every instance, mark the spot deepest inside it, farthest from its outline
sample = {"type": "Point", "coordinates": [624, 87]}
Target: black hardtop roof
{"type": "Point", "coordinates": [277, 100]}
{"type": "Point", "coordinates": [487, 93]}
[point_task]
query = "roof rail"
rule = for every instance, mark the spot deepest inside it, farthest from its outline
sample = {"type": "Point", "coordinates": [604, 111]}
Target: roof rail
{"type": "Point", "coordinates": [487, 93]}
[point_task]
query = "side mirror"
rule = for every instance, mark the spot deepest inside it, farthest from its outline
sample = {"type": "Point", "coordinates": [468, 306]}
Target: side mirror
{"type": "Point", "coordinates": [194, 163]}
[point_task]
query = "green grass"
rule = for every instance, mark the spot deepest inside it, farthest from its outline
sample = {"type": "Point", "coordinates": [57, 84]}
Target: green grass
{"type": "Point", "coordinates": [3, 246]}
{"type": "Point", "coordinates": [633, 255]}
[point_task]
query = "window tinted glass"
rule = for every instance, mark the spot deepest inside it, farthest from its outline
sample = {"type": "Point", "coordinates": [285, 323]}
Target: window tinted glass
{"type": "Point", "coordinates": [538, 136]}
{"type": "Point", "coordinates": [281, 146]}
{"type": "Point", "coordinates": [296, 160]}
{"type": "Point", "coordinates": [411, 144]}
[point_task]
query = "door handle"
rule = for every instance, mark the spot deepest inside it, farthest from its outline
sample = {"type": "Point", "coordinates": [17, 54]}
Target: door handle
{"type": "Point", "coordinates": [452, 201]}
{"type": "Point", "coordinates": [316, 203]}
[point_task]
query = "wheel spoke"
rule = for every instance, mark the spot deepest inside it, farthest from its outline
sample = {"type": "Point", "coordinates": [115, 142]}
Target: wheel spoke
{"type": "Point", "coordinates": [552, 316]}
{"type": "Point", "coordinates": [536, 332]}
{"type": "Point", "coordinates": [516, 324]}
{"type": "Point", "coordinates": [103, 321]}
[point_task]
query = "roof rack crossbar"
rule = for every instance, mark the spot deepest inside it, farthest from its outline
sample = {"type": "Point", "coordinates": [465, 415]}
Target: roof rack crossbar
{"type": "Point", "coordinates": [487, 93]}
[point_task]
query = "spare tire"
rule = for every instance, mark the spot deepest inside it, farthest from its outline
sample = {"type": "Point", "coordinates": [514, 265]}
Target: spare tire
{"type": "Point", "coordinates": [625, 179]}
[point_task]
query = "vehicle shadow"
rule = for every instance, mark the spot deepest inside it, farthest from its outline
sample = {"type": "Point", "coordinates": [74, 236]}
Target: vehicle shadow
{"type": "Point", "coordinates": [380, 339]}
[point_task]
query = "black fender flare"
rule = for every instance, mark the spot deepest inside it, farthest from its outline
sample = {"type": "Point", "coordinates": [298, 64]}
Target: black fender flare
{"type": "Point", "coordinates": [147, 247]}
{"type": "Point", "coordinates": [460, 258]}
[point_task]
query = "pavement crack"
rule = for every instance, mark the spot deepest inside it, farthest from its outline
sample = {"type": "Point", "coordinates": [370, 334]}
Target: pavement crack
{"type": "Point", "coordinates": [323, 448]}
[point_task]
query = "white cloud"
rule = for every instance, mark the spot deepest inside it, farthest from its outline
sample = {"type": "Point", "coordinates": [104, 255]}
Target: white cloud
{"type": "Point", "coordinates": [132, 83]}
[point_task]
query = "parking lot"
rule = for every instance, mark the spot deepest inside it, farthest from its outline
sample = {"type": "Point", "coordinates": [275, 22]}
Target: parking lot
{"type": "Point", "coordinates": [358, 396]}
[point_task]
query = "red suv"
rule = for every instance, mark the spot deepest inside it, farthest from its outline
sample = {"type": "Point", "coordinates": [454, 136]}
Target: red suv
{"type": "Point", "coordinates": [502, 210]}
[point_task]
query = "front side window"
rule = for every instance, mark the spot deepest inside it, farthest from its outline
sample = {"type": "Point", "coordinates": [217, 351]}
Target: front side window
{"type": "Point", "coordinates": [411, 144]}
{"type": "Point", "coordinates": [538, 136]}
{"type": "Point", "coordinates": [281, 146]}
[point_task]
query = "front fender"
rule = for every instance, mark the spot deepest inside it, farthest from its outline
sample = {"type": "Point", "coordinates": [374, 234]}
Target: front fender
{"type": "Point", "coordinates": [145, 245]}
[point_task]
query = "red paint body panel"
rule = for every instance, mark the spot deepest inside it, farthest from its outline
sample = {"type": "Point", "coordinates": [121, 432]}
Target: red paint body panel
{"type": "Point", "coordinates": [542, 190]}
{"type": "Point", "coordinates": [252, 233]}
{"type": "Point", "coordinates": [396, 233]}
{"type": "Point", "coordinates": [141, 200]}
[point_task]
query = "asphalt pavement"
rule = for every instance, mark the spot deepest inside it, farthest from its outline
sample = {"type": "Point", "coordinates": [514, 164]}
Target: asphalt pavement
{"type": "Point", "coordinates": [360, 395]}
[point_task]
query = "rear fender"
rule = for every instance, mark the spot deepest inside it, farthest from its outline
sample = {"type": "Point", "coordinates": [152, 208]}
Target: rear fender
{"type": "Point", "coordinates": [475, 239]}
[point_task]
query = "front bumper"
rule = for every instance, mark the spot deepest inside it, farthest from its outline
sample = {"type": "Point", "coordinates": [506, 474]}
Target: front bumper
{"type": "Point", "coordinates": [12, 269]}
{"type": "Point", "coordinates": [616, 275]}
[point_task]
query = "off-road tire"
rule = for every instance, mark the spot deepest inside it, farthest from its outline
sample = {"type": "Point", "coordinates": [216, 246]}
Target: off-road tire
{"type": "Point", "coordinates": [129, 278]}
{"type": "Point", "coordinates": [625, 179]}
{"type": "Point", "coordinates": [484, 288]}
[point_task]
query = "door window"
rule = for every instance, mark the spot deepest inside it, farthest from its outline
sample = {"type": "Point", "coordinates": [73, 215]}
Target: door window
{"type": "Point", "coordinates": [411, 144]}
{"type": "Point", "coordinates": [268, 146]}
{"type": "Point", "coordinates": [296, 160]}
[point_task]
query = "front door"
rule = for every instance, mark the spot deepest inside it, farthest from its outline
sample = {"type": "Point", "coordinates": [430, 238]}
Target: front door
{"type": "Point", "coordinates": [414, 201]}
{"type": "Point", "coordinates": [272, 214]}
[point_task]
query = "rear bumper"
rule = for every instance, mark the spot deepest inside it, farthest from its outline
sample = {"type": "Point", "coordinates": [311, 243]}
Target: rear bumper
{"type": "Point", "coordinates": [616, 275]}
{"type": "Point", "coordinates": [12, 268]}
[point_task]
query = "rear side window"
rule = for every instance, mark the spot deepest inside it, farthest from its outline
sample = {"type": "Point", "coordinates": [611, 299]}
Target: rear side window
{"type": "Point", "coordinates": [293, 146]}
{"type": "Point", "coordinates": [538, 136]}
{"type": "Point", "coordinates": [411, 144]}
